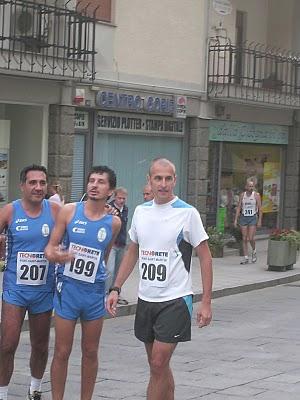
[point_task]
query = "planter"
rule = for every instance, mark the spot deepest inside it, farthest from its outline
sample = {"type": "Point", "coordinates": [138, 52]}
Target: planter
{"type": "Point", "coordinates": [217, 251]}
{"type": "Point", "coordinates": [282, 255]}
{"type": "Point", "coordinates": [239, 246]}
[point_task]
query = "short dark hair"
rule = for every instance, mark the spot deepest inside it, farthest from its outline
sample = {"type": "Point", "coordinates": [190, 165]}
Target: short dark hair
{"type": "Point", "coordinates": [33, 167]}
{"type": "Point", "coordinates": [101, 169]}
{"type": "Point", "coordinates": [161, 160]}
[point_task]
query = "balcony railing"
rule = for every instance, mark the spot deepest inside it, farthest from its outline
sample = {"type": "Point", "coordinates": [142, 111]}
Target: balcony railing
{"type": "Point", "coordinates": [44, 38]}
{"type": "Point", "coordinates": [253, 72]}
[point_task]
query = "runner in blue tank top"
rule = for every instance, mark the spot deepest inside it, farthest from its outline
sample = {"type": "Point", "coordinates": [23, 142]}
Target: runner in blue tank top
{"type": "Point", "coordinates": [28, 281]}
{"type": "Point", "coordinates": [88, 233]}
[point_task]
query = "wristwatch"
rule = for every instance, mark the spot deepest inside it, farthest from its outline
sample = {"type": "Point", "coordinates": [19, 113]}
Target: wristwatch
{"type": "Point", "coordinates": [115, 289]}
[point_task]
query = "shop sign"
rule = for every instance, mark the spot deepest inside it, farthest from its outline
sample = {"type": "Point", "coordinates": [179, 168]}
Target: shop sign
{"type": "Point", "coordinates": [223, 7]}
{"type": "Point", "coordinates": [81, 120]}
{"type": "Point", "coordinates": [224, 131]}
{"type": "Point", "coordinates": [138, 123]}
{"type": "Point", "coordinates": [134, 102]}
{"type": "Point", "coordinates": [181, 106]}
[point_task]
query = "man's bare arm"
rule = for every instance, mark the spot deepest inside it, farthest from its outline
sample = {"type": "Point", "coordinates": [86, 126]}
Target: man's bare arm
{"type": "Point", "coordinates": [53, 251]}
{"type": "Point", "coordinates": [116, 226]}
{"type": "Point", "coordinates": [204, 313]}
{"type": "Point", "coordinates": [127, 265]}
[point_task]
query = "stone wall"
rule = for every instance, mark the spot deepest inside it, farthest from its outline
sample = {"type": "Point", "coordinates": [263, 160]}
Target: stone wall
{"type": "Point", "coordinates": [61, 143]}
{"type": "Point", "coordinates": [291, 194]}
{"type": "Point", "coordinates": [198, 144]}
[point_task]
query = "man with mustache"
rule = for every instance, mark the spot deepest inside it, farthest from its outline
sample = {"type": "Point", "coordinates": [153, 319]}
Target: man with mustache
{"type": "Point", "coordinates": [28, 282]}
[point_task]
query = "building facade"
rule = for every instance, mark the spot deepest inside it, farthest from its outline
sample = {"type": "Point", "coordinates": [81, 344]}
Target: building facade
{"type": "Point", "coordinates": [211, 84]}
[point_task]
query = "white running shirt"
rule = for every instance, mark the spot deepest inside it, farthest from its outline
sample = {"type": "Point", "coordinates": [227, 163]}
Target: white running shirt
{"type": "Point", "coordinates": [166, 235]}
{"type": "Point", "coordinates": [249, 205]}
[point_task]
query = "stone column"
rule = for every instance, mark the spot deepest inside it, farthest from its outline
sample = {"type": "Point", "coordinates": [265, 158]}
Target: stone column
{"type": "Point", "coordinates": [61, 143]}
{"type": "Point", "coordinates": [198, 164]}
{"type": "Point", "coordinates": [291, 204]}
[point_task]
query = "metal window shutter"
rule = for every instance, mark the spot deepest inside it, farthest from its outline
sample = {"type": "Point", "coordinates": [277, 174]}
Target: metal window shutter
{"type": "Point", "coordinates": [78, 168]}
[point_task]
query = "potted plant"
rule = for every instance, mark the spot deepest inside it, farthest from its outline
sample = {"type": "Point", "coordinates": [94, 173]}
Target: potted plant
{"type": "Point", "coordinates": [282, 249]}
{"type": "Point", "coordinates": [237, 243]}
{"type": "Point", "coordinates": [216, 241]}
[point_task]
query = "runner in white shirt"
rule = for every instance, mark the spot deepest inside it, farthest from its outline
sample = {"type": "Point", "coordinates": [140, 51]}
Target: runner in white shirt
{"type": "Point", "coordinates": [163, 233]}
{"type": "Point", "coordinates": [249, 216]}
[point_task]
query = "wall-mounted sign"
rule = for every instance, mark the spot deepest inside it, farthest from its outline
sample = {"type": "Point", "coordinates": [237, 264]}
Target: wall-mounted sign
{"type": "Point", "coordinates": [225, 131]}
{"type": "Point", "coordinates": [181, 106]}
{"type": "Point", "coordinates": [81, 120]}
{"type": "Point", "coordinates": [223, 7]}
{"type": "Point", "coordinates": [79, 97]}
{"type": "Point", "coordinates": [141, 123]}
{"type": "Point", "coordinates": [134, 102]}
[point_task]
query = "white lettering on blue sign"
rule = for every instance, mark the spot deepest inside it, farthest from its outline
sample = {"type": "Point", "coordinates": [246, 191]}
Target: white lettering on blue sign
{"type": "Point", "coordinates": [129, 102]}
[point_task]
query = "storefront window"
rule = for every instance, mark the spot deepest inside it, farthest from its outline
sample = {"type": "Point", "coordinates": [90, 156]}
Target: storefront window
{"type": "Point", "coordinates": [261, 163]}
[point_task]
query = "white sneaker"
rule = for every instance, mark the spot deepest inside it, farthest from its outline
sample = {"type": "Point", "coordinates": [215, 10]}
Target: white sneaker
{"type": "Point", "coordinates": [34, 396]}
{"type": "Point", "coordinates": [244, 261]}
{"type": "Point", "coordinates": [254, 256]}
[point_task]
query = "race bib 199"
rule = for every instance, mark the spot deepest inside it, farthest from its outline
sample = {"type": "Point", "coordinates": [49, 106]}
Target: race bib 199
{"type": "Point", "coordinates": [32, 268]}
{"type": "Point", "coordinates": [84, 266]}
{"type": "Point", "coordinates": [154, 267]}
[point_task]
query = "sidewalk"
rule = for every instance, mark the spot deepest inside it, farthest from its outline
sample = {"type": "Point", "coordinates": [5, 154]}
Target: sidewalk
{"type": "Point", "coordinates": [229, 278]}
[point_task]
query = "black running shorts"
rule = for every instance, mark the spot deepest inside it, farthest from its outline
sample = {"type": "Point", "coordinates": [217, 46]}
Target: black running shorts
{"type": "Point", "coordinates": [167, 321]}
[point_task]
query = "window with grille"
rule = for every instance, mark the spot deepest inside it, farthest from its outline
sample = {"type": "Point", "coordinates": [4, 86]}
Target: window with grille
{"type": "Point", "coordinates": [99, 9]}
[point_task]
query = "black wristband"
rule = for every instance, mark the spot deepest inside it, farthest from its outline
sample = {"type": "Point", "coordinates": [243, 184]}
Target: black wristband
{"type": "Point", "coordinates": [115, 289]}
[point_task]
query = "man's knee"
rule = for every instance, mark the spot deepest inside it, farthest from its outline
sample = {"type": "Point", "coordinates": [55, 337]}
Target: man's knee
{"type": "Point", "coordinates": [90, 354]}
{"type": "Point", "coordinates": [8, 345]}
{"type": "Point", "coordinates": [40, 348]}
{"type": "Point", "coordinates": [158, 364]}
{"type": "Point", "coordinates": [62, 353]}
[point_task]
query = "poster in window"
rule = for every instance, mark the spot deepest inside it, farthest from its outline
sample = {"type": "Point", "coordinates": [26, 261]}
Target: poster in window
{"type": "Point", "coordinates": [271, 187]}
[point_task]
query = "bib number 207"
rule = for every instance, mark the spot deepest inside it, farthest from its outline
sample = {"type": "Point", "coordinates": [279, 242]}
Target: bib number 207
{"type": "Point", "coordinates": [32, 272]}
{"type": "Point", "coordinates": [154, 272]}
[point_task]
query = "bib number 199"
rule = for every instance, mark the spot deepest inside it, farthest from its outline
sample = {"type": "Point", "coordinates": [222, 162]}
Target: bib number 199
{"type": "Point", "coordinates": [79, 266]}
{"type": "Point", "coordinates": [152, 272]}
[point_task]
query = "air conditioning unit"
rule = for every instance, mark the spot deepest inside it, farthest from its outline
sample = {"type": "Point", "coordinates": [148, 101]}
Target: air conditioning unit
{"type": "Point", "coordinates": [30, 28]}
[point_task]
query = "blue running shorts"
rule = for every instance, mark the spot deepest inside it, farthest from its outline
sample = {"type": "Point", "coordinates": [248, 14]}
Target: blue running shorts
{"type": "Point", "coordinates": [36, 302]}
{"type": "Point", "coordinates": [247, 221]}
{"type": "Point", "coordinates": [84, 301]}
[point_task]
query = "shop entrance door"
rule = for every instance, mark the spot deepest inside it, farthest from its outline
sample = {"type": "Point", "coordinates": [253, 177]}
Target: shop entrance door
{"type": "Point", "coordinates": [129, 156]}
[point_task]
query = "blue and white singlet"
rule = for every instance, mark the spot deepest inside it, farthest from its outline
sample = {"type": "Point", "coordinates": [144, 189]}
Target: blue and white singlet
{"type": "Point", "coordinates": [88, 241]}
{"type": "Point", "coordinates": [26, 265]}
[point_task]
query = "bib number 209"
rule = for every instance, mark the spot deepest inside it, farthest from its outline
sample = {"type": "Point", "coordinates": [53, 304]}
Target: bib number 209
{"type": "Point", "coordinates": [152, 272]}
